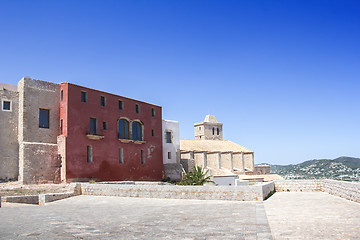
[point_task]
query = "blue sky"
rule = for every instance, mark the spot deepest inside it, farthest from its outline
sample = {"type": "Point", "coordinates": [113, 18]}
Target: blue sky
{"type": "Point", "coordinates": [282, 76]}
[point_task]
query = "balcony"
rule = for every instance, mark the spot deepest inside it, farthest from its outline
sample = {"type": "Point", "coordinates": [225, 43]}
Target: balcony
{"type": "Point", "coordinates": [94, 135]}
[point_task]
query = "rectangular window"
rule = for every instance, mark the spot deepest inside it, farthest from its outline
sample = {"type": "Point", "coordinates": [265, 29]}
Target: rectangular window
{"type": "Point", "coordinates": [153, 112]}
{"type": "Point", "coordinates": [93, 126]}
{"type": "Point", "coordinates": [121, 155]}
{"type": "Point", "coordinates": [61, 95]}
{"type": "Point", "coordinates": [102, 101]}
{"type": "Point", "coordinates": [137, 108]}
{"type": "Point", "coordinates": [169, 155]}
{"type": "Point", "coordinates": [142, 157]}
{"type": "Point", "coordinates": [152, 132]}
{"type": "Point", "coordinates": [44, 118]}
{"type": "Point", "coordinates": [6, 105]}
{"type": "Point", "coordinates": [168, 137]}
{"type": "Point", "coordinates": [83, 96]}
{"type": "Point", "coordinates": [61, 127]}
{"type": "Point", "coordinates": [105, 125]}
{"type": "Point", "coordinates": [89, 154]}
{"type": "Point", "coordinates": [121, 105]}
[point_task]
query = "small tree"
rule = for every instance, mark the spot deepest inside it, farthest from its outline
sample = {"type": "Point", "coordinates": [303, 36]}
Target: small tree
{"type": "Point", "coordinates": [196, 177]}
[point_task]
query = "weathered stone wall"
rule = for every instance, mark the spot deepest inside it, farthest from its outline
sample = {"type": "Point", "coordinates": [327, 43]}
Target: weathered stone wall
{"type": "Point", "coordinates": [249, 161]}
{"type": "Point", "coordinates": [173, 171]}
{"type": "Point", "coordinates": [37, 146]}
{"type": "Point", "coordinates": [213, 160]}
{"type": "Point", "coordinates": [261, 169]}
{"type": "Point", "coordinates": [347, 190]}
{"type": "Point", "coordinates": [239, 193]}
{"type": "Point", "coordinates": [9, 147]}
{"type": "Point", "coordinates": [297, 185]}
{"type": "Point", "coordinates": [42, 164]}
{"type": "Point", "coordinates": [227, 160]}
{"type": "Point", "coordinates": [187, 164]}
{"type": "Point", "coordinates": [200, 159]}
{"type": "Point", "coordinates": [238, 161]}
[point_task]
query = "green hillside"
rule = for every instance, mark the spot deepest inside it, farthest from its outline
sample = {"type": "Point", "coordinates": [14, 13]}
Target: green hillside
{"type": "Point", "coordinates": [342, 168]}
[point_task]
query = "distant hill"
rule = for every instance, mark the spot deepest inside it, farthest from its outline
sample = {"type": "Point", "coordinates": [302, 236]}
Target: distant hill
{"type": "Point", "coordinates": [342, 168]}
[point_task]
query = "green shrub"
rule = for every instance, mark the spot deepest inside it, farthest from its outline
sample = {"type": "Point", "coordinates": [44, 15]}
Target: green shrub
{"type": "Point", "coordinates": [196, 177]}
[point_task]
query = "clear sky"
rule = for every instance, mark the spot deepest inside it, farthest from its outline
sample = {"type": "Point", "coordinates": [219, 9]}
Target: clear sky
{"type": "Point", "coordinates": [282, 76]}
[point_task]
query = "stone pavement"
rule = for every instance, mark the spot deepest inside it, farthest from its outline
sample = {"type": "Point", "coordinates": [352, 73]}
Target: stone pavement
{"type": "Point", "coordinates": [291, 216]}
{"type": "Point", "coordinates": [312, 215]}
{"type": "Point", "coordinates": [99, 217]}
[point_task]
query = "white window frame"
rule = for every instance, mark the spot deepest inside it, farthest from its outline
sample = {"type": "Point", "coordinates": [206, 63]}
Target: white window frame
{"type": "Point", "coordinates": [2, 105]}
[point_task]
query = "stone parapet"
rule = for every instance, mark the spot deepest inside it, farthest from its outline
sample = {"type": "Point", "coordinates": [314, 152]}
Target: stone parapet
{"type": "Point", "coordinates": [297, 185]}
{"type": "Point", "coordinates": [256, 192]}
{"type": "Point", "coordinates": [347, 190]}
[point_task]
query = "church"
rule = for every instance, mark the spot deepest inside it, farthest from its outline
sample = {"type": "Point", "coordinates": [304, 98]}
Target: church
{"type": "Point", "coordinates": [209, 150]}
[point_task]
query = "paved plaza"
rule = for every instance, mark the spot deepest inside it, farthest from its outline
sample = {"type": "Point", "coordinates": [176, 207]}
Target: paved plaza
{"type": "Point", "coordinates": [284, 216]}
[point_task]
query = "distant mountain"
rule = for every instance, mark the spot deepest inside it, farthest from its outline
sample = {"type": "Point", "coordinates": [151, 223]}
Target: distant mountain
{"type": "Point", "coordinates": [342, 168]}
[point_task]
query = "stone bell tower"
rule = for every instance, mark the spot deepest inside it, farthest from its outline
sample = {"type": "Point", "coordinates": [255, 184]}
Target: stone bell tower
{"type": "Point", "coordinates": [209, 129]}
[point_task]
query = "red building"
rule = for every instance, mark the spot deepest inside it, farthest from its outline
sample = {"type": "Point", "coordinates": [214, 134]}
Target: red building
{"type": "Point", "coordinates": [106, 137]}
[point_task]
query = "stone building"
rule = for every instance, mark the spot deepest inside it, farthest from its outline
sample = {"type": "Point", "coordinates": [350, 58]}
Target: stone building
{"type": "Point", "coordinates": [221, 157]}
{"type": "Point", "coordinates": [9, 147]}
{"type": "Point", "coordinates": [53, 132]}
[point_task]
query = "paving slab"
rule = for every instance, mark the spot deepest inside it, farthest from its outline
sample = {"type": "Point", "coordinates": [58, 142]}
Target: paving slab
{"type": "Point", "coordinates": [312, 215]}
{"type": "Point", "coordinates": [99, 217]}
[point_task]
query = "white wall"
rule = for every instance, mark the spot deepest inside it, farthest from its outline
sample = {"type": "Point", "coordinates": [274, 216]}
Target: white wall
{"type": "Point", "coordinates": [174, 146]}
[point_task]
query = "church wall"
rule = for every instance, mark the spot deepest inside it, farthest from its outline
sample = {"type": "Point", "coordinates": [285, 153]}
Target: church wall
{"type": "Point", "coordinates": [213, 160]}
{"type": "Point", "coordinates": [226, 160]}
{"type": "Point", "coordinates": [200, 159]}
{"type": "Point", "coordinates": [237, 160]}
{"type": "Point", "coordinates": [249, 161]}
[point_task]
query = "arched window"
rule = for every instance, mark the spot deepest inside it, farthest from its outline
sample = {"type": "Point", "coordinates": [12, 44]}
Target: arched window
{"type": "Point", "coordinates": [213, 131]}
{"type": "Point", "coordinates": [217, 131]}
{"type": "Point", "coordinates": [123, 129]}
{"type": "Point", "coordinates": [136, 131]}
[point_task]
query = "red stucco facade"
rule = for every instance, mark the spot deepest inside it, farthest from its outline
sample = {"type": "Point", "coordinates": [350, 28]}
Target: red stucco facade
{"type": "Point", "coordinates": [105, 144]}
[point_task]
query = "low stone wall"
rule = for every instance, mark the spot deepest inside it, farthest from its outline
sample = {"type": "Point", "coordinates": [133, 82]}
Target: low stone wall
{"type": "Point", "coordinates": [239, 193]}
{"type": "Point", "coordinates": [41, 199]}
{"type": "Point", "coordinates": [297, 185]}
{"type": "Point", "coordinates": [347, 190]}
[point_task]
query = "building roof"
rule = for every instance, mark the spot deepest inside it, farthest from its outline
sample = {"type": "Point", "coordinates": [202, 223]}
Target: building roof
{"type": "Point", "coordinates": [8, 87]}
{"type": "Point", "coordinates": [189, 145]}
{"type": "Point", "coordinates": [210, 119]}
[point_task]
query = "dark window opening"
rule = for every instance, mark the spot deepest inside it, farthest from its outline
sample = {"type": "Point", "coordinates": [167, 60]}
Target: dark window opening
{"type": "Point", "coordinates": [121, 105]}
{"type": "Point", "coordinates": [168, 137]}
{"type": "Point", "coordinates": [142, 157]}
{"type": "Point", "coordinates": [83, 96]}
{"type": "Point", "coordinates": [136, 131]}
{"type": "Point", "coordinates": [93, 126]}
{"type": "Point", "coordinates": [105, 125]}
{"type": "Point", "coordinates": [213, 131]}
{"type": "Point", "coordinates": [61, 95]}
{"type": "Point", "coordinates": [153, 112]}
{"type": "Point", "coordinates": [123, 129]}
{"type": "Point", "coordinates": [137, 108]}
{"type": "Point", "coordinates": [102, 101]}
{"type": "Point", "coordinates": [152, 132]}
{"type": "Point", "coordinates": [121, 155]}
{"type": "Point", "coordinates": [169, 155]}
{"type": "Point", "coordinates": [61, 126]}
{"type": "Point", "coordinates": [7, 105]}
{"type": "Point", "coordinates": [218, 131]}
{"type": "Point", "coordinates": [43, 118]}
{"type": "Point", "coordinates": [89, 154]}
